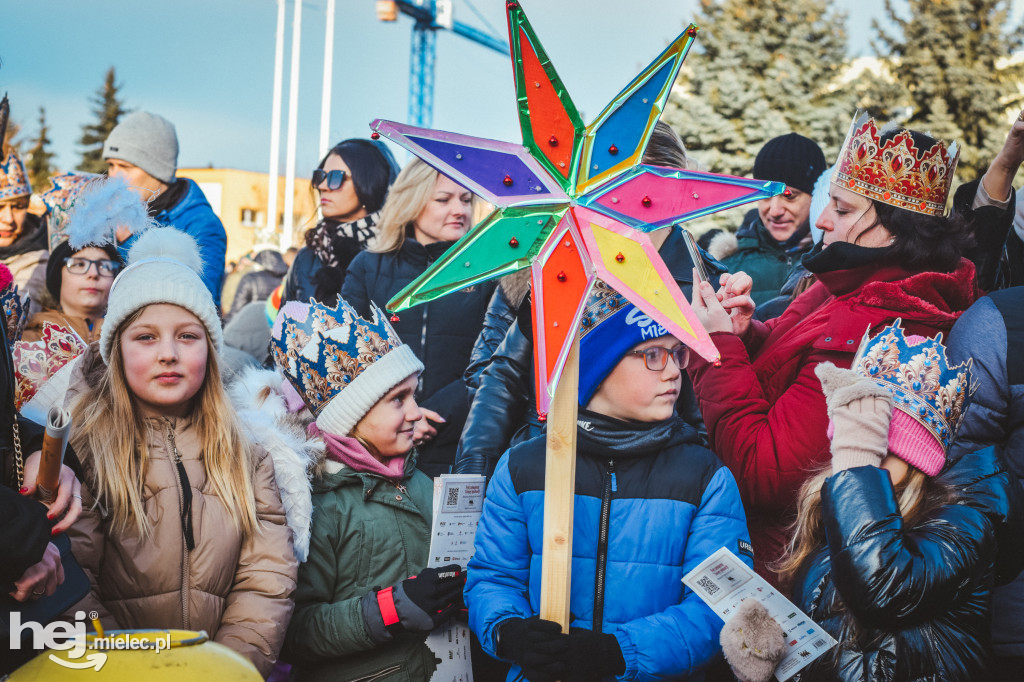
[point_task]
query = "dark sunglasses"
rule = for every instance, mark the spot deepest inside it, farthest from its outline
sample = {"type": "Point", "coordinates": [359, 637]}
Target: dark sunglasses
{"type": "Point", "coordinates": [656, 358]}
{"type": "Point", "coordinates": [80, 266]}
{"type": "Point", "coordinates": [335, 178]}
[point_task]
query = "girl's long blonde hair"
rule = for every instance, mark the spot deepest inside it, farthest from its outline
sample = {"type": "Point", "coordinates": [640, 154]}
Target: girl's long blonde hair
{"type": "Point", "coordinates": [917, 494]}
{"type": "Point", "coordinates": [113, 430]}
{"type": "Point", "coordinates": [408, 196]}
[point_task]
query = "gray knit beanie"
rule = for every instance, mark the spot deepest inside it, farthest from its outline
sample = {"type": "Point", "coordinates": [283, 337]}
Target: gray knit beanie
{"type": "Point", "coordinates": [147, 141]}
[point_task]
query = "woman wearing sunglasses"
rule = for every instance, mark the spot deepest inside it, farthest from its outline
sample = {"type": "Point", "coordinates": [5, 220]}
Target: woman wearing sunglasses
{"type": "Point", "coordinates": [78, 282]}
{"type": "Point", "coordinates": [351, 182]}
{"type": "Point", "coordinates": [425, 214]}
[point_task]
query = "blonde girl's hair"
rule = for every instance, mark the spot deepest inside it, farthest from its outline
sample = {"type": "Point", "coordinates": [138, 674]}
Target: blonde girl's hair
{"type": "Point", "coordinates": [110, 426]}
{"type": "Point", "coordinates": [917, 495]}
{"type": "Point", "coordinates": [408, 196]}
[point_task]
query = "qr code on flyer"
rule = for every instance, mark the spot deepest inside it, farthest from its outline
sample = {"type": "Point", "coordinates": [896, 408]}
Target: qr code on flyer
{"type": "Point", "coordinates": [708, 585]}
{"type": "Point", "coordinates": [453, 497]}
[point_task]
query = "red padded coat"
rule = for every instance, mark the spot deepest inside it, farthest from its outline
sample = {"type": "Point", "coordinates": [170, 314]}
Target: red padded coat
{"type": "Point", "coordinates": [763, 407]}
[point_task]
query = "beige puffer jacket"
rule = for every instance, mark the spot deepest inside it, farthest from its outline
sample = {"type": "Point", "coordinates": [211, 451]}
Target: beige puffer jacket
{"type": "Point", "coordinates": [239, 592]}
{"type": "Point", "coordinates": [29, 272]}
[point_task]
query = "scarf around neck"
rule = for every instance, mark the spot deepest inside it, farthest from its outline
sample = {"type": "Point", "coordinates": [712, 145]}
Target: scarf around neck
{"type": "Point", "coordinates": [604, 436]}
{"type": "Point", "coordinates": [321, 238]}
{"type": "Point", "coordinates": [352, 453]}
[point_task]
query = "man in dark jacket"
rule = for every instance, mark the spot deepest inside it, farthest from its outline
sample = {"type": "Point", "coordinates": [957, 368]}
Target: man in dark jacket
{"type": "Point", "coordinates": [992, 333]}
{"type": "Point", "coordinates": [774, 237]}
{"type": "Point", "coordinates": [143, 150]}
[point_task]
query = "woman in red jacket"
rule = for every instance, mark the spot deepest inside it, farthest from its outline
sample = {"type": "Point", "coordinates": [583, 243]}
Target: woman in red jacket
{"type": "Point", "coordinates": [887, 253]}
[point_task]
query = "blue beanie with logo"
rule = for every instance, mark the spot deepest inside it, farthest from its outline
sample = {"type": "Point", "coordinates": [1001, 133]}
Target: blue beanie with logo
{"type": "Point", "coordinates": [610, 328]}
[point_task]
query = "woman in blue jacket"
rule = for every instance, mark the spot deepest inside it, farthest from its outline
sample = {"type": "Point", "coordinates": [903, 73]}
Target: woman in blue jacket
{"type": "Point", "coordinates": [651, 504]}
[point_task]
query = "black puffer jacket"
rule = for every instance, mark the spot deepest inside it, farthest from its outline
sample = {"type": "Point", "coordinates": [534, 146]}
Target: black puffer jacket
{"type": "Point", "coordinates": [921, 595]}
{"type": "Point", "coordinates": [441, 333]}
{"type": "Point", "coordinates": [504, 410]}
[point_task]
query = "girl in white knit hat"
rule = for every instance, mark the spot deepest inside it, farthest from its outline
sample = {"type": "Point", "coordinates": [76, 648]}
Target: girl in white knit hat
{"type": "Point", "coordinates": [365, 600]}
{"type": "Point", "coordinates": [183, 526]}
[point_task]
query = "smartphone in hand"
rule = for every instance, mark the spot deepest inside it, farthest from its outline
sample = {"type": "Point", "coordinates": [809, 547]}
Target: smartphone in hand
{"type": "Point", "coordinates": [698, 262]}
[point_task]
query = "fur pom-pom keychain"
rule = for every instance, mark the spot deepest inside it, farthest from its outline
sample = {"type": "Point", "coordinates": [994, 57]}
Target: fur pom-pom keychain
{"type": "Point", "coordinates": [102, 207]}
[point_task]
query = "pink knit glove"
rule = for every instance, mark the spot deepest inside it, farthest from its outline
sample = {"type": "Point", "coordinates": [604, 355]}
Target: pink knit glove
{"type": "Point", "coordinates": [859, 411]}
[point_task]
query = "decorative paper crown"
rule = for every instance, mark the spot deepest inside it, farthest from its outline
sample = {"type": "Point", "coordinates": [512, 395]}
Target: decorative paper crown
{"type": "Point", "coordinates": [13, 178]}
{"type": "Point", "coordinates": [59, 200]}
{"type": "Point", "coordinates": [602, 303]}
{"type": "Point", "coordinates": [324, 351]}
{"type": "Point", "coordinates": [922, 383]}
{"type": "Point", "coordinates": [896, 172]}
{"type": "Point", "coordinates": [42, 370]}
{"type": "Point", "coordinates": [16, 312]}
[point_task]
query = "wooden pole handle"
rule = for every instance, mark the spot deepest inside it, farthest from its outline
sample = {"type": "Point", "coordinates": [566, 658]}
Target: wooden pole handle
{"type": "Point", "coordinates": [559, 494]}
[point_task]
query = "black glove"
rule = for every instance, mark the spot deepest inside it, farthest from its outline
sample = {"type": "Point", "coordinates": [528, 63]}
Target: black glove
{"type": "Point", "coordinates": [593, 656]}
{"type": "Point", "coordinates": [426, 600]}
{"type": "Point", "coordinates": [537, 646]}
{"type": "Point", "coordinates": [419, 604]}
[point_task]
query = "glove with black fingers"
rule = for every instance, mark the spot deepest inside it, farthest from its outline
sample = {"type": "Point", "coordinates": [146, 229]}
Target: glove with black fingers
{"type": "Point", "coordinates": [426, 600]}
{"type": "Point", "coordinates": [537, 646]}
{"type": "Point", "coordinates": [418, 604]}
{"type": "Point", "coordinates": [593, 656]}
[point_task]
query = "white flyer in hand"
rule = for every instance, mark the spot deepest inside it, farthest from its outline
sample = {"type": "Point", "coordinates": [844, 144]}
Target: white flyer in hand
{"type": "Point", "coordinates": [723, 581]}
{"type": "Point", "coordinates": [458, 503]}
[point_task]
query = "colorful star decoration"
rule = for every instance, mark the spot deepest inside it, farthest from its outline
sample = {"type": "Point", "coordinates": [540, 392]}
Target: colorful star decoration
{"type": "Point", "coordinates": [574, 202]}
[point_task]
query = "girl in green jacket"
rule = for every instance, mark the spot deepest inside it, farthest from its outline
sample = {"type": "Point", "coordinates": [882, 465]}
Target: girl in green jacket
{"type": "Point", "coordinates": [371, 507]}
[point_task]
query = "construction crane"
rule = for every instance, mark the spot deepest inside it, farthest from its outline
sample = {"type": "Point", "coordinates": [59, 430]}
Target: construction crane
{"type": "Point", "coordinates": [430, 16]}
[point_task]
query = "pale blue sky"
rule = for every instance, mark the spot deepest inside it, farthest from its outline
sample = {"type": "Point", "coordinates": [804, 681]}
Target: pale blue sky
{"type": "Point", "coordinates": [207, 65]}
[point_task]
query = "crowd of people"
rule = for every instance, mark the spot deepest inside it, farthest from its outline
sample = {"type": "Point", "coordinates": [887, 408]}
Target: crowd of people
{"type": "Point", "coordinates": [253, 444]}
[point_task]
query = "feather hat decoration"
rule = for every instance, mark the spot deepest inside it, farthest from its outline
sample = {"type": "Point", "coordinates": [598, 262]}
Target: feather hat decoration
{"type": "Point", "coordinates": [59, 200]}
{"type": "Point", "coordinates": [102, 207]}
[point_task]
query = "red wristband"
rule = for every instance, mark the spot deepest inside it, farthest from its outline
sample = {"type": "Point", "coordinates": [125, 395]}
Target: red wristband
{"type": "Point", "coordinates": [386, 603]}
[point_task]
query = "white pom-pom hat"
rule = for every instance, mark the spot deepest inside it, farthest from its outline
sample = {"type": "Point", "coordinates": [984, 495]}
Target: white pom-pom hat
{"type": "Point", "coordinates": [163, 267]}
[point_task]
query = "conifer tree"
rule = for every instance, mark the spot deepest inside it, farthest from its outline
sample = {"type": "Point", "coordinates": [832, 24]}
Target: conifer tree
{"type": "Point", "coordinates": [947, 61]}
{"type": "Point", "coordinates": [108, 110]}
{"type": "Point", "coordinates": [758, 70]}
{"type": "Point", "coordinates": [39, 159]}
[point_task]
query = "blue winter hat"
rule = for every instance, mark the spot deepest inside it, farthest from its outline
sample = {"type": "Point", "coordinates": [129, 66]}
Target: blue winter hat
{"type": "Point", "coordinates": [610, 328]}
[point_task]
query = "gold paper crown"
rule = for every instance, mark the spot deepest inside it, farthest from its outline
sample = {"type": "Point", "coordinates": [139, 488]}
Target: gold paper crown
{"type": "Point", "coordinates": [895, 172]}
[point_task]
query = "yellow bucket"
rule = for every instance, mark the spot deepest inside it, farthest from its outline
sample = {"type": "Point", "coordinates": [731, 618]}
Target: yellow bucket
{"type": "Point", "coordinates": [141, 656]}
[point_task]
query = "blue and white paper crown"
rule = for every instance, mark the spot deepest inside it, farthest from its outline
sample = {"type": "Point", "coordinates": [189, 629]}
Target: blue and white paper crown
{"type": "Point", "coordinates": [340, 363]}
{"type": "Point", "coordinates": [16, 313]}
{"type": "Point", "coordinates": [13, 178]}
{"type": "Point", "coordinates": [920, 378]}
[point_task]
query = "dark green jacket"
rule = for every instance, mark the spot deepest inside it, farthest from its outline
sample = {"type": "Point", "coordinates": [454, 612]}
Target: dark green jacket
{"type": "Point", "coordinates": [366, 534]}
{"type": "Point", "coordinates": [759, 255]}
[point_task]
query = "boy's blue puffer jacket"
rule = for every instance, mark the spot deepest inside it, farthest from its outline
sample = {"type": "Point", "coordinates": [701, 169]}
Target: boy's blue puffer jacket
{"type": "Point", "coordinates": [672, 504]}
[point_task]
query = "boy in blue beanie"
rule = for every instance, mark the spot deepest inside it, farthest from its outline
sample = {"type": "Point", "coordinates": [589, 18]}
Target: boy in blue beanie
{"type": "Point", "coordinates": [651, 504]}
